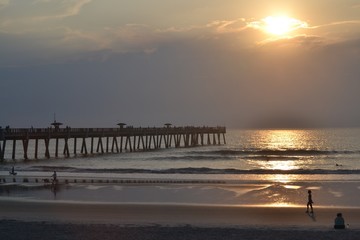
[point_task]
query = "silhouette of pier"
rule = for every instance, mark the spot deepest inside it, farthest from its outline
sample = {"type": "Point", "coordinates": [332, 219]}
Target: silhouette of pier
{"type": "Point", "coordinates": [104, 140]}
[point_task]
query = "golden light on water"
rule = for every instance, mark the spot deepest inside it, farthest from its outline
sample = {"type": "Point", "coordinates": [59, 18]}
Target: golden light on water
{"type": "Point", "coordinates": [281, 204]}
{"type": "Point", "coordinates": [279, 143]}
{"type": "Point", "coordinates": [279, 178]}
{"type": "Point", "coordinates": [280, 165]}
{"type": "Point", "coordinates": [281, 139]}
{"type": "Point", "coordinates": [280, 153]}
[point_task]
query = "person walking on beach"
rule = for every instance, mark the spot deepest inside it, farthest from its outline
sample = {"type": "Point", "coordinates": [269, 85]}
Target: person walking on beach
{"type": "Point", "coordinates": [54, 176]}
{"type": "Point", "coordinates": [12, 172]}
{"type": "Point", "coordinates": [339, 222]}
{"type": "Point", "coordinates": [309, 203]}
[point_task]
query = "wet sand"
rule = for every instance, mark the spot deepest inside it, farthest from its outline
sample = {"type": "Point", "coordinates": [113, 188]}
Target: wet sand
{"type": "Point", "coordinates": [185, 211]}
{"type": "Point", "coordinates": [66, 220]}
{"type": "Point", "coordinates": [172, 214]}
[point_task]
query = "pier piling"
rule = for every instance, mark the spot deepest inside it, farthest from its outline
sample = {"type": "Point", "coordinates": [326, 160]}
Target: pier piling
{"type": "Point", "coordinates": [130, 139]}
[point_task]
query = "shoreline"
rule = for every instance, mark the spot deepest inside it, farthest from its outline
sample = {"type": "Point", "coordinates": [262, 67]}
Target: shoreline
{"type": "Point", "coordinates": [175, 214]}
{"type": "Point", "coordinates": [277, 194]}
{"type": "Point", "coordinates": [178, 211]}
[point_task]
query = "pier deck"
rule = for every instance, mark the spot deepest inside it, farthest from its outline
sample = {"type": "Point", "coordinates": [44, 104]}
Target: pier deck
{"type": "Point", "coordinates": [105, 140]}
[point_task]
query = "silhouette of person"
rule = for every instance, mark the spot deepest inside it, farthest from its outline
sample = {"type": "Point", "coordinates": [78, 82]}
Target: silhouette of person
{"type": "Point", "coordinates": [54, 176]}
{"type": "Point", "coordinates": [13, 171]}
{"type": "Point", "coordinates": [339, 222]}
{"type": "Point", "coordinates": [309, 203]}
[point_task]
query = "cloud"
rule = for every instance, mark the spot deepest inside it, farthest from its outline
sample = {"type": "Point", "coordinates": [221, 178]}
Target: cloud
{"type": "Point", "coordinates": [231, 35]}
{"type": "Point", "coordinates": [300, 41]}
{"type": "Point", "coordinates": [70, 8]}
{"type": "Point", "coordinates": [338, 31]}
{"type": "Point", "coordinates": [191, 81]}
{"type": "Point", "coordinates": [4, 3]}
{"type": "Point", "coordinates": [78, 40]}
{"type": "Point", "coordinates": [218, 72]}
{"type": "Point", "coordinates": [339, 23]}
{"type": "Point", "coordinates": [27, 16]}
{"type": "Point", "coordinates": [223, 26]}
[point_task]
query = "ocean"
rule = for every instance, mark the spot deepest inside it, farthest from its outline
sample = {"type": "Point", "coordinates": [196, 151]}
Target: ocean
{"type": "Point", "coordinates": [254, 166]}
{"type": "Point", "coordinates": [305, 152]}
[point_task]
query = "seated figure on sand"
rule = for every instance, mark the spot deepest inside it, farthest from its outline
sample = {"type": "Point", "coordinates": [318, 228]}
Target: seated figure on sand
{"type": "Point", "coordinates": [339, 222]}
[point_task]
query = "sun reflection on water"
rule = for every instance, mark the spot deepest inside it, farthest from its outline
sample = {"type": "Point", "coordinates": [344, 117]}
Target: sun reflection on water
{"type": "Point", "coordinates": [280, 165]}
{"type": "Point", "coordinates": [282, 146]}
{"type": "Point", "coordinates": [282, 139]}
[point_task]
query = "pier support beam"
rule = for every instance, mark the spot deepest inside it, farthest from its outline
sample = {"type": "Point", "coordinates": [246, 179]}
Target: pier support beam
{"type": "Point", "coordinates": [2, 151]}
{"type": "Point", "coordinates": [57, 147]}
{"type": "Point", "coordinates": [114, 143]}
{"type": "Point", "coordinates": [36, 148]}
{"type": "Point", "coordinates": [136, 139]}
{"type": "Point", "coordinates": [134, 144]}
{"type": "Point", "coordinates": [25, 147]}
{"type": "Point", "coordinates": [83, 147]}
{"type": "Point", "coordinates": [107, 144]}
{"type": "Point", "coordinates": [14, 149]}
{"type": "Point", "coordinates": [75, 140]}
{"type": "Point", "coordinates": [66, 148]}
{"type": "Point", "coordinates": [100, 145]}
{"type": "Point", "coordinates": [121, 144]}
{"type": "Point", "coordinates": [143, 143]}
{"type": "Point", "coordinates": [92, 145]}
{"type": "Point", "coordinates": [47, 152]}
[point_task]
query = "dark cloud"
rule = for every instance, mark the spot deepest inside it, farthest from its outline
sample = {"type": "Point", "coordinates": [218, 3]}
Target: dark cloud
{"type": "Point", "coordinates": [299, 82]}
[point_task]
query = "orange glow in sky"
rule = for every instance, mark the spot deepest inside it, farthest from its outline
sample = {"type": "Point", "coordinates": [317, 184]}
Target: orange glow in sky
{"type": "Point", "coordinates": [281, 25]}
{"type": "Point", "coordinates": [278, 25]}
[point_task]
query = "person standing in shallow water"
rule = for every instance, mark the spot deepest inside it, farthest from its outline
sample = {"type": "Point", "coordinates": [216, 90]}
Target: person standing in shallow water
{"type": "Point", "coordinates": [310, 202]}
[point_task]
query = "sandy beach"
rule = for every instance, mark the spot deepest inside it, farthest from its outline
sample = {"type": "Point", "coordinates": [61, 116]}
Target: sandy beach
{"type": "Point", "coordinates": [70, 220]}
{"type": "Point", "coordinates": [46, 230]}
{"type": "Point", "coordinates": [246, 210]}
{"type": "Point", "coordinates": [173, 215]}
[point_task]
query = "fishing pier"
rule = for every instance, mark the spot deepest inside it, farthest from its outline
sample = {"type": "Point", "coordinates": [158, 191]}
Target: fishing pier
{"type": "Point", "coordinates": [56, 142]}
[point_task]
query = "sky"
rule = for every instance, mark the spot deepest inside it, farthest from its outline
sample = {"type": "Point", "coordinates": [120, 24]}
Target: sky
{"type": "Point", "coordinates": [241, 64]}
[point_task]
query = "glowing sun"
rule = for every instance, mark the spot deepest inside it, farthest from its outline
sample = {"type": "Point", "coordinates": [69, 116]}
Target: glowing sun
{"type": "Point", "coordinates": [279, 25]}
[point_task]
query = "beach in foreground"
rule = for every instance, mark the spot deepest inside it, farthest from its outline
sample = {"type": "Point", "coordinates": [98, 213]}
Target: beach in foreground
{"type": "Point", "coordinates": [246, 210]}
{"type": "Point", "coordinates": [10, 230]}
{"type": "Point", "coordinates": [73, 220]}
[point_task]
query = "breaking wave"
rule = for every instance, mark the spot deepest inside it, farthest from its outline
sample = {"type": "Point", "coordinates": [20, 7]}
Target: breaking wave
{"type": "Point", "coordinates": [202, 170]}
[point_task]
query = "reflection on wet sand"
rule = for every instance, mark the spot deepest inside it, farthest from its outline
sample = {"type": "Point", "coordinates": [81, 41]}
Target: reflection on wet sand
{"type": "Point", "coordinates": [279, 194]}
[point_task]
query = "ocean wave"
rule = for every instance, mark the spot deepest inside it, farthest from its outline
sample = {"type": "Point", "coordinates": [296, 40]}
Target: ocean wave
{"type": "Point", "coordinates": [191, 157]}
{"type": "Point", "coordinates": [255, 154]}
{"type": "Point", "coordinates": [202, 170]}
{"type": "Point", "coordinates": [275, 152]}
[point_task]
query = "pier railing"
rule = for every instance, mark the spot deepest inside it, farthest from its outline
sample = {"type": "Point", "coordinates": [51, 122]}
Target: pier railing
{"type": "Point", "coordinates": [121, 139]}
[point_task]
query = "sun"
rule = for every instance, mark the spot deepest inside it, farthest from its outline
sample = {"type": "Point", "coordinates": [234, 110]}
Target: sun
{"type": "Point", "coordinates": [279, 25]}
